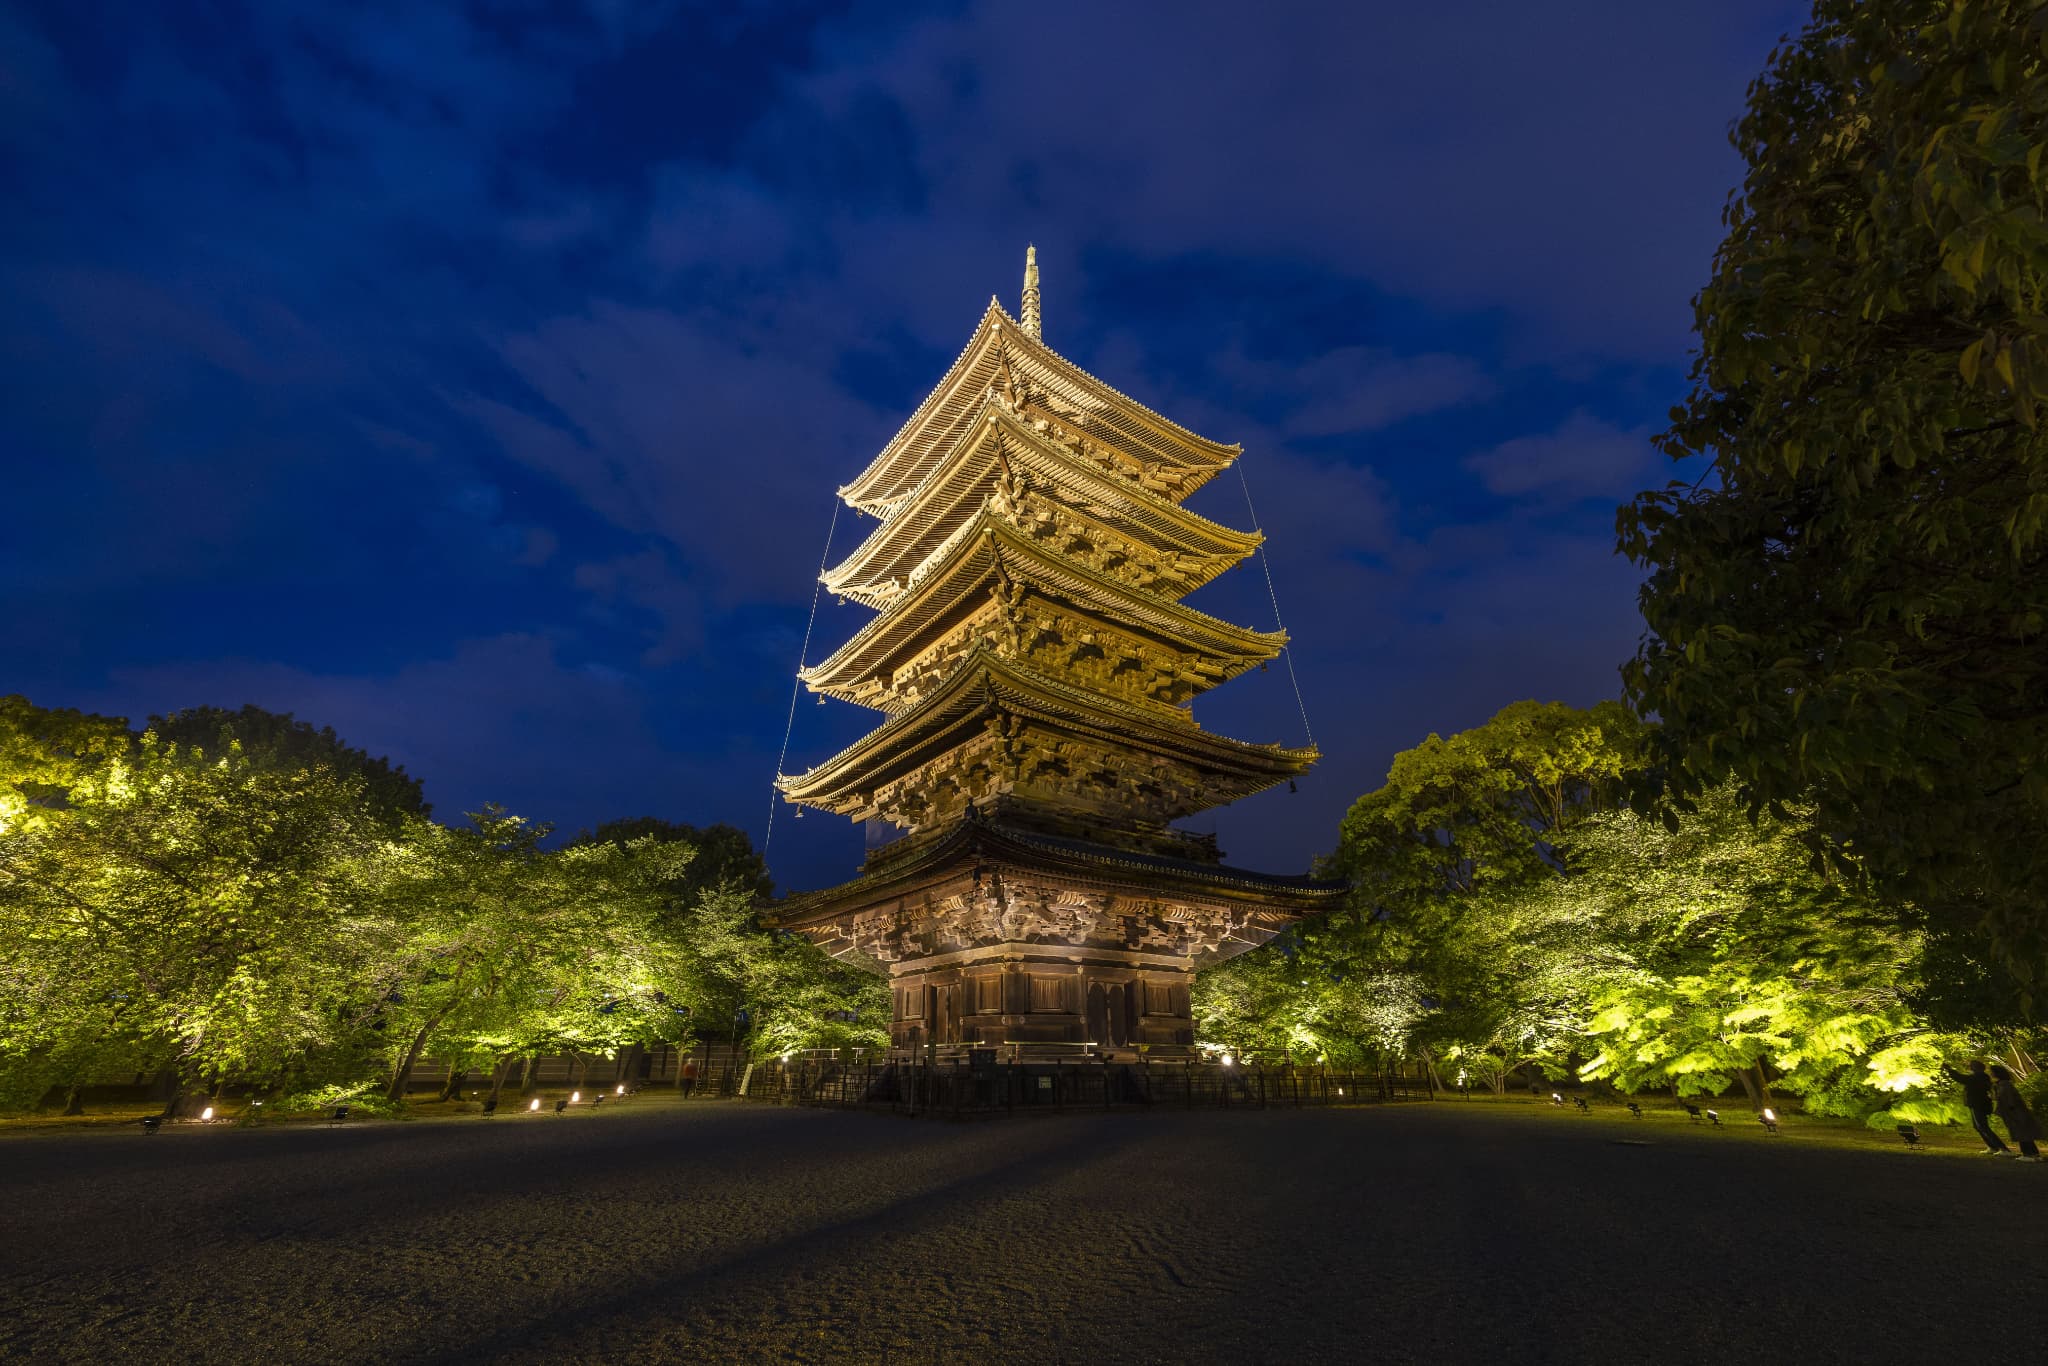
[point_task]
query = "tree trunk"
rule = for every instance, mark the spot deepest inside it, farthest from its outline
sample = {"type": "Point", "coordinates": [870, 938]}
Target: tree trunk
{"type": "Point", "coordinates": [1763, 1083]}
{"type": "Point", "coordinates": [403, 1074]}
{"type": "Point", "coordinates": [1749, 1088]}
{"type": "Point", "coordinates": [453, 1084]}
{"type": "Point", "coordinates": [72, 1104]}
{"type": "Point", "coordinates": [166, 1087]}
{"type": "Point", "coordinates": [526, 1073]}
{"type": "Point", "coordinates": [498, 1075]}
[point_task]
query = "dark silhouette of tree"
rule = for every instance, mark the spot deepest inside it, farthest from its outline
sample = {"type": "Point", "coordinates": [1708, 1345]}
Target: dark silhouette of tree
{"type": "Point", "coordinates": [1852, 609]}
{"type": "Point", "coordinates": [275, 741]}
{"type": "Point", "coordinates": [724, 854]}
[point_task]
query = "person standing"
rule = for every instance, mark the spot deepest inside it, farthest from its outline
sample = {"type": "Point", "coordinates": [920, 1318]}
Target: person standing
{"type": "Point", "coordinates": [2019, 1120]}
{"type": "Point", "coordinates": [689, 1077]}
{"type": "Point", "coordinates": [1977, 1100]}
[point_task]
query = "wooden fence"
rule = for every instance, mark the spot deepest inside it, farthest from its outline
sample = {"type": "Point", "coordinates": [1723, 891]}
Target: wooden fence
{"type": "Point", "coordinates": [984, 1084]}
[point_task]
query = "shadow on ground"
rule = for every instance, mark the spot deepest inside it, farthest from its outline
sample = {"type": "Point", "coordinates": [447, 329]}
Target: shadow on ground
{"type": "Point", "coordinates": [717, 1231]}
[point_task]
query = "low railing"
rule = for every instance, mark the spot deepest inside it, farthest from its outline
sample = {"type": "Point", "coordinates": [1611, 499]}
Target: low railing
{"type": "Point", "coordinates": [980, 1083]}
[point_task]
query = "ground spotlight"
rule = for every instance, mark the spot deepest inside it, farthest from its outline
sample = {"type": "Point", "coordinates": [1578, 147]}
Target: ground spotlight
{"type": "Point", "coordinates": [619, 1090]}
{"type": "Point", "coordinates": [1769, 1119]}
{"type": "Point", "coordinates": [1556, 1099]}
{"type": "Point", "coordinates": [535, 1106]}
{"type": "Point", "coordinates": [206, 1115]}
{"type": "Point", "coordinates": [575, 1096]}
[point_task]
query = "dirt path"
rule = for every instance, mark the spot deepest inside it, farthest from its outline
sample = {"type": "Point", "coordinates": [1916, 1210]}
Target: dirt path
{"type": "Point", "coordinates": [1415, 1233]}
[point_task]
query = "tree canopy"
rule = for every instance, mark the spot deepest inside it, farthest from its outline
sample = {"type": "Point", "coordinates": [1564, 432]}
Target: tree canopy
{"type": "Point", "coordinates": [1849, 606]}
{"type": "Point", "coordinates": [272, 907]}
{"type": "Point", "coordinates": [1512, 911]}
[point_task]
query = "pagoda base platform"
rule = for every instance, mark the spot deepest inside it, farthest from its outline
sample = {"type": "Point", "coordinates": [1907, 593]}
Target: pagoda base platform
{"type": "Point", "coordinates": [995, 934]}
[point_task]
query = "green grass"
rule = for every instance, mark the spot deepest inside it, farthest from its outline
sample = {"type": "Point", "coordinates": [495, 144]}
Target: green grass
{"type": "Point", "coordinates": [1663, 1117]}
{"type": "Point", "coordinates": [236, 1111]}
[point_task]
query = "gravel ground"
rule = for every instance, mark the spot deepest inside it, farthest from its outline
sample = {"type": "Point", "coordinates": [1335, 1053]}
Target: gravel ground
{"type": "Point", "coordinates": [719, 1231]}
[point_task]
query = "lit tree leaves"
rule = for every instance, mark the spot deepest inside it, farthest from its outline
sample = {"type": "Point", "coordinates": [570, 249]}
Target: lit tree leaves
{"type": "Point", "coordinates": [289, 919]}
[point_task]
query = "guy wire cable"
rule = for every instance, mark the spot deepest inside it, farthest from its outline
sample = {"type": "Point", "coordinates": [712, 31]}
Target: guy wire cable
{"type": "Point", "coordinates": [796, 683]}
{"type": "Point", "coordinates": [1266, 563]}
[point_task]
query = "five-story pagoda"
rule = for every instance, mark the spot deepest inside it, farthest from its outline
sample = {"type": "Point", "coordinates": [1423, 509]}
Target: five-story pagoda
{"type": "Point", "coordinates": [1034, 664]}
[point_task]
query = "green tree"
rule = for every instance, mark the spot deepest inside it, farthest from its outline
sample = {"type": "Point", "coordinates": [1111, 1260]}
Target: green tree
{"type": "Point", "coordinates": [1728, 956]}
{"type": "Point", "coordinates": [510, 948]}
{"type": "Point", "coordinates": [201, 916]}
{"type": "Point", "coordinates": [1272, 1003]}
{"type": "Point", "coordinates": [1441, 858]}
{"type": "Point", "coordinates": [775, 989]}
{"type": "Point", "coordinates": [1851, 608]}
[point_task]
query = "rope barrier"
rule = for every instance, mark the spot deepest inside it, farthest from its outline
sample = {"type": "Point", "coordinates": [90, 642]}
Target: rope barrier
{"type": "Point", "coordinates": [796, 684]}
{"type": "Point", "coordinates": [1266, 563]}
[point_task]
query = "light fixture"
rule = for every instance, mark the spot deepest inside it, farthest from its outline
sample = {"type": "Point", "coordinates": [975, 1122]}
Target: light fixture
{"type": "Point", "coordinates": [1340, 1090]}
{"type": "Point", "coordinates": [575, 1096]}
{"type": "Point", "coordinates": [535, 1106]}
{"type": "Point", "coordinates": [619, 1090]}
{"type": "Point", "coordinates": [206, 1115]}
{"type": "Point", "coordinates": [1556, 1099]}
{"type": "Point", "coordinates": [1769, 1119]}
{"type": "Point", "coordinates": [1228, 1060]}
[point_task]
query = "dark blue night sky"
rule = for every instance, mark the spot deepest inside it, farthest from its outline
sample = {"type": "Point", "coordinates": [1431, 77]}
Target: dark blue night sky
{"type": "Point", "coordinates": [476, 379]}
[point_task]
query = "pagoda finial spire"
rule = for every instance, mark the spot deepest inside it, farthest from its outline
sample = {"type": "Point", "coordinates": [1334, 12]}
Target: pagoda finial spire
{"type": "Point", "coordinates": [1028, 314]}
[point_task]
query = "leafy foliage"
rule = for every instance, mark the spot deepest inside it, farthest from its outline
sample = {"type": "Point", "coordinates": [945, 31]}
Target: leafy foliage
{"type": "Point", "coordinates": [289, 918]}
{"type": "Point", "coordinates": [1514, 913]}
{"type": "Point", "coordinates": [1851, 611]}
{"type": "Point", "coordinates": [1727, 950]}
{"type": "Point", "coordinates": [1442, 859]}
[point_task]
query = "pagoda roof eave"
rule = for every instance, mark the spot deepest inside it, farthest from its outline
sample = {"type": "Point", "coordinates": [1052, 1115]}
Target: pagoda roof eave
{"type": "Point", "coordinates": [885, 482]}
{"type": "Point", "coordinates": [871, 561]}
{"type": "Point", "coordinates": [989, 544]}
{"type": "Point", "coordinates": [982, 681]}
{"type": "Point", "coordinates": [996, 842]}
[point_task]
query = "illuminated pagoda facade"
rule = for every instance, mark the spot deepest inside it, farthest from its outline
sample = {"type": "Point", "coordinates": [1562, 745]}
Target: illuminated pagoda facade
{"type": "Point", "coordinates": [1034, 666]}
